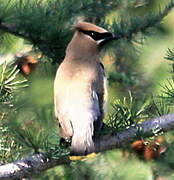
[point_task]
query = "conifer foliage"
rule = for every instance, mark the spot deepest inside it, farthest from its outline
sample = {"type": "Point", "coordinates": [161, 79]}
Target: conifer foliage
{"type": "Point", "coordinates": [41, 30]}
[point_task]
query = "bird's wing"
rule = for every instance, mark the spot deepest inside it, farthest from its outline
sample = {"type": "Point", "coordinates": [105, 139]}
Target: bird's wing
{"type": "Point", "coordinates": [101, 98]}
{"type": "Point", "coordinates": [105, 92]}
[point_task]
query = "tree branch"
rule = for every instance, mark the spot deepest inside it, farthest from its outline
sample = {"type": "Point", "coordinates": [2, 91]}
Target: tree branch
{"type": "Point", "coordinates": [29, 166]}
{"type": "Point", "coordinates": [10, 28]}
{"type": "Point", "coordinates": [40, 162]}
{"type": "Point", "coordinates": [148, 128]}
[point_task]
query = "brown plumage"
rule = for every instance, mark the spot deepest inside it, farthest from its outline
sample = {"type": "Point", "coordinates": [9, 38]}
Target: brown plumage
{"type": "Point", "coordinates": [79, 88]}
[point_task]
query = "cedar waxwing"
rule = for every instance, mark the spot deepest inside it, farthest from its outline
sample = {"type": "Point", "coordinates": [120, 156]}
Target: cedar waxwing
{"type": "Point", "coordinates": [79, 88]}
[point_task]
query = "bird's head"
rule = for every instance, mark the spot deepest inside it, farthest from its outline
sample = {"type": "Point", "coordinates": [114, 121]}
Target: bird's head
{"type": "Point", "coordinates": [94, 33]}
{"type": "Point", "coordinates": [89, 37]}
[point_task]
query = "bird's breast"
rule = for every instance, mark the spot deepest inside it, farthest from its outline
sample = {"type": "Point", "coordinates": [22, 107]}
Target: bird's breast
{"type": "Point", "coordinates": [78, 79]}
{"type": "Point", "coordinates": [75, 85]}
{"type": "Point", "coordinates": [78, 71]}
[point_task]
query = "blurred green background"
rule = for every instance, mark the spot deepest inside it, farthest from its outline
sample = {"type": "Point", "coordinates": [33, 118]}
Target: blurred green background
{"type": "Point", "coordinates": [144, 71]}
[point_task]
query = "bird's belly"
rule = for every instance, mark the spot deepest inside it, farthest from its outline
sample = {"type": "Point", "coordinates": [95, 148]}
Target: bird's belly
{"type": "Point", "coordinates": [76, 97]}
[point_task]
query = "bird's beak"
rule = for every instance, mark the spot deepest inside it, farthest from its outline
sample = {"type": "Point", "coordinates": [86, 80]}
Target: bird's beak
{"type": "Point", "coordinates": [108, 39]}
{"type": "Point", "coordinates": [115, 37]}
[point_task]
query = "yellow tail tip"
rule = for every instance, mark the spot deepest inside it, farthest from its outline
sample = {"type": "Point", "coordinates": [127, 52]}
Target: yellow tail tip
{"type": "Point", "coordinates": [74, 158]}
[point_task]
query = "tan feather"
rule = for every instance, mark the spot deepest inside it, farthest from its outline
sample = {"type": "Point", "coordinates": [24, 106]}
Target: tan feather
{"type": "Point", "coordinates": [79, 91]}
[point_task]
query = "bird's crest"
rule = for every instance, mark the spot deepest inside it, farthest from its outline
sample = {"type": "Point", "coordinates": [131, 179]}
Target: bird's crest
{"type": "Point", "coordinates": [85, 26]}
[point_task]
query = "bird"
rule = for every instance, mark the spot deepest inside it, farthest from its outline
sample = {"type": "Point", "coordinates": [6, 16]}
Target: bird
{"type": "Point", "coordinates": [80, 88]}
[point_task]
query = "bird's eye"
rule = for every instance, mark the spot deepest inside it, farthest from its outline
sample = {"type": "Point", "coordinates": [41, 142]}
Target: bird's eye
{"type": "Point", "coordinates": [92, 33]}
{"type": "Point", "coordinates": [96, 35]}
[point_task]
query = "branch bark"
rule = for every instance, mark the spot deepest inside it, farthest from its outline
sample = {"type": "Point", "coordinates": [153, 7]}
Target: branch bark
{"type": "Point", "coordinates": [39, 162]}
{"type": "Point", "coordinates": [10, 28]}
{"type": "Point", "coordinates": [29, 166]}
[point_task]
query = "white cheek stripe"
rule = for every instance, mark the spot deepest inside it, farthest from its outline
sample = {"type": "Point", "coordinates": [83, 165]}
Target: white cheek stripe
{"type": "Point", "coordinates": [99, 41]}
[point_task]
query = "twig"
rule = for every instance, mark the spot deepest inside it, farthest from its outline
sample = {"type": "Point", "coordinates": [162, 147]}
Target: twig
{"type": "Point", "coordinates": [29, 166]}
{"type": "Point", "coordinates": [10, 28]}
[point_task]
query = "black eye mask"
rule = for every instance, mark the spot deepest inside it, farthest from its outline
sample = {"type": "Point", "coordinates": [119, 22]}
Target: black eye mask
{"type": "Point", "coordinates": [96, 35]}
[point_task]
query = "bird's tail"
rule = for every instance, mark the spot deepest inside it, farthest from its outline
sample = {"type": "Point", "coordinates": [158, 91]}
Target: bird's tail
{"type": "Point", "coordinates": [82, 139]}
